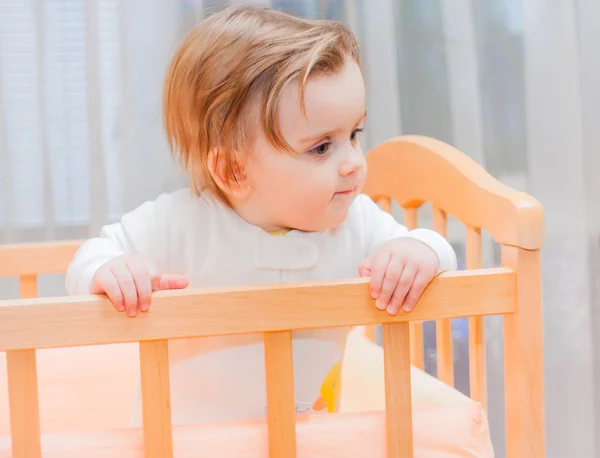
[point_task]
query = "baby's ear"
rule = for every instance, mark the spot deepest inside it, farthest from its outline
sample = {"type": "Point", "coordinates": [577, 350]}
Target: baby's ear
{"type": "Point", "coordinates": [228, 173]}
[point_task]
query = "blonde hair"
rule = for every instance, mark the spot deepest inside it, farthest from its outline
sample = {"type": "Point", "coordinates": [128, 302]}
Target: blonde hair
{"type": "Point", "coordinates": [233, 59]}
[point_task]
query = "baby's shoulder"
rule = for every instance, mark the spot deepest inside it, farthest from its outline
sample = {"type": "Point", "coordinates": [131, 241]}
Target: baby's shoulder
{"type": "Point", "coordinates": [184, 202]}
{"type": "Point", "coordinates": [181, 209]}
{"type": "Point", "coordinates": [179, 199]}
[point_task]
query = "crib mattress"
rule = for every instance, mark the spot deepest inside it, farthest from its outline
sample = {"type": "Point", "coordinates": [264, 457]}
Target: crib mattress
{"type": "Point", "coordinates": [325, 436]}
{"type": "Point", "coordinates": [85, 411]}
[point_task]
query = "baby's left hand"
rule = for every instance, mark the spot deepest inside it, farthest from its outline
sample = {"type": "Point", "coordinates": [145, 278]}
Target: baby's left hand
{"type": "Point", "coordinates": [400, 271]}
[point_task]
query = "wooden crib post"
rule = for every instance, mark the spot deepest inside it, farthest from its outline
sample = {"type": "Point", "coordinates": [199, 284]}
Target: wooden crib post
{"type": "Point", "coordinates": [398, 400]}
{"type": "Point", "coordinates": [156, 399]}
{"type": "Point", "coordinates": [281, 413]}
{"type": "Point", "coordinates": [23, 403]}
{"type": "Point", "coordinates": [523, 362]}
{"type": "Point", "coordinates": [23, 397]}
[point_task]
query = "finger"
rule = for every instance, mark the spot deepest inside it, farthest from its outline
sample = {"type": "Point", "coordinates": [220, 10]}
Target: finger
{"type": "Point", "coordinates": [173, 281]}
{"type": "Point", "coordinates": [143, 282]}
{"type": "Point", "coordinates": [419, 284]}
{"type": "Point", "coordinates": [154, 277]}
{"type": "Point", "coordinates": [128, 288]}
{"type": "Point", "coordinates": [364, 272]}
{"type": "Point", "coordinates": [392, 276]}
{"type": "Point", "coordinates": [364, 268]}
{"type": "Point", "coordinates": [402, 289]}
{"type": "Point", "coordinates": [378, 268]}
{"type": "Point", "coordinates": [106, 283]}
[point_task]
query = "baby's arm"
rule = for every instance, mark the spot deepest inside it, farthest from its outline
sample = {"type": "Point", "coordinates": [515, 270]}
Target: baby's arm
{"type": "Point", "coordinates": [401, 263]}
{"type": "Point", "coordinates": [128, 259]}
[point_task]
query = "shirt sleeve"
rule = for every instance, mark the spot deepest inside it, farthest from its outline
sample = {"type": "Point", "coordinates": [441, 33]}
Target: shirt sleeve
{"type": "Point", "coordinates": [144, 231]}
{"type": "Point", "coordinates": [380, 227]}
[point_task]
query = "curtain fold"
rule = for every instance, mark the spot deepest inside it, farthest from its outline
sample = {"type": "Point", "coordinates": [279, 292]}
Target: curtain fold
{"type": "Point", "coordinates": [556, 166]}
{"type": "Point", "coordinates": [97, 172]}
{"type": "Point", "coordinates": [6, 198]}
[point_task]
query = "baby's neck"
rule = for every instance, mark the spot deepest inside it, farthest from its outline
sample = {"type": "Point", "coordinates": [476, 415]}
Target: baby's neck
{"type": "Point", "coordinates": [256, 218]}
{"type": "Point", "coordinates": [254, 215]}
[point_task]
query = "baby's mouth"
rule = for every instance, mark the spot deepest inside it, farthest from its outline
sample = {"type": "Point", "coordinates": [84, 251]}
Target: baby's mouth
{"type": "Point", "coordinates": [346, 192]}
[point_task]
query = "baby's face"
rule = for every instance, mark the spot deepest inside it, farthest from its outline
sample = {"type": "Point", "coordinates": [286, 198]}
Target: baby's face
{"type": "Point", "coordinates": [312, 190]}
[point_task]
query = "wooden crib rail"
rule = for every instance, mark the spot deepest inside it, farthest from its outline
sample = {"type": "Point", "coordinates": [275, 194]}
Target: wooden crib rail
{"type": "Point", "coordinates": [30, 324]}
{"type": "Point", "coordinates": [413, 170]}
{"type": "Point", "coordinates": [91, 320]}
{"type": "Point", "coordinates": [31, 259]}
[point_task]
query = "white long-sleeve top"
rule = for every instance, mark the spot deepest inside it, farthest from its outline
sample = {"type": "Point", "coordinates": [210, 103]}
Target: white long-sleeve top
{"type": "Point", "coordinates": [214, 246]}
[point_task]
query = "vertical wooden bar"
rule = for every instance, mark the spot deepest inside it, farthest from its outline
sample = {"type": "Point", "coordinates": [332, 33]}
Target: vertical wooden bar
{"type": "Point", "coordinates": [23, 404]}
{"type": "Point", "coordinates": [411, 217]}
{"type": "Point", "coordinates": [443, 328]}
{"type": "Point", "coordinates": [156, 399]}
{"type": "Point", "coordinates": [385, 203]}
{"type": "Point", "coordinates": [23, 397]}
{"type": "Point", "coordinates": [417, 350]}
{"type": "Point", "coordinates": [523, 363]}
{"type": "Point", "coordinates": [477, 361]}
{"type": "Point", "coordinates": [281, 413]}
{"type": "Point", "coordinates": [398, 400]}
{"type": "Point", "coordinates": [28, 286]}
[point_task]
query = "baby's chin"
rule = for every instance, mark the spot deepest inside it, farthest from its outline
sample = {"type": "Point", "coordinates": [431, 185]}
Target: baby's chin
{"type": "Point", "coordinates": [331, 220]}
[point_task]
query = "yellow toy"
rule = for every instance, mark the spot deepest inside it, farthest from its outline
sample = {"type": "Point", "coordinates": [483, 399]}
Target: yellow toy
{"type": "Point", "coordinates": [330, 390]}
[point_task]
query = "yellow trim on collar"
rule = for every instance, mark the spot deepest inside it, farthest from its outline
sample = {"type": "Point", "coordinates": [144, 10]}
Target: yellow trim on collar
{"type": "Point", "coordinates": [279, 233]}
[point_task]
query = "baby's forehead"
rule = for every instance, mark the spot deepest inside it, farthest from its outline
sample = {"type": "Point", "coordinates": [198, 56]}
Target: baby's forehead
{"type": "Point", "coordinates": [332, 101]}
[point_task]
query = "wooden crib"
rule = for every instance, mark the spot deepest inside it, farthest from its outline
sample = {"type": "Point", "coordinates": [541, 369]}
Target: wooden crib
{"type": "Point", "coordinates": [409, 170]}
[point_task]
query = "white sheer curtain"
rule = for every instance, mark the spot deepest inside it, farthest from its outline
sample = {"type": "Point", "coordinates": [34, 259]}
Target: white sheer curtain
{"type": "Point", "coordinates": [561, 73]}
{"type": "Point", "coordinates": [513, 83]}
{"type": "Point", "coordinates": [82, 139]}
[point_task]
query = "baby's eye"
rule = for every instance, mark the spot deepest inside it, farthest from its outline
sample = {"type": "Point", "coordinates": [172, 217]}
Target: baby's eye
{"type": "Point", "coordinates": [354, 134]}
{"type": "Point", "coordinates": [321, 149]}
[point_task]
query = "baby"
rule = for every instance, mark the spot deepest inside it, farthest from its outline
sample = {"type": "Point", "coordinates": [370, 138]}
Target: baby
{"type": "Point", "coordinates": [264, 110]}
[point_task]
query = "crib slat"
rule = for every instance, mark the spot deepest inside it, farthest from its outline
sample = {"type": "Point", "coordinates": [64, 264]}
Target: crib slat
{"type": "Point", "coordinates": [23, 400]}
{"type": "Point", "coordinates": [23, 397]}
{"type": "Point", "coordinates": [281, 413]}
{"type": "Point", "coordinates": [156, 399]}
{"type": "Point", "coordinates": [385, 203]}
{"type": "Point", "coordinates": [396, 354]}
{"type": "Point", "coordinates": [477, 361]}
{"type": "Point", "coordinates": [28, 286]}
{"type": "Point", "coordinates": [417, 349]}
{"type": "Point", "coordinates": [443, 328]}
{"type": "Point", "coordinates": [36, 258]}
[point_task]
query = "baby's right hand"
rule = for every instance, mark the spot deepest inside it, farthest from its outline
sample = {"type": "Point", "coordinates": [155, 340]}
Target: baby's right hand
{"type": "Point", "coordinates": [129, 281]}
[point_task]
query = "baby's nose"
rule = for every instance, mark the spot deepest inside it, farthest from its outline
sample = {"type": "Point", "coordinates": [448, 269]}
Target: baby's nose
{"type": "Point", "coordinates": [348, 168]}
